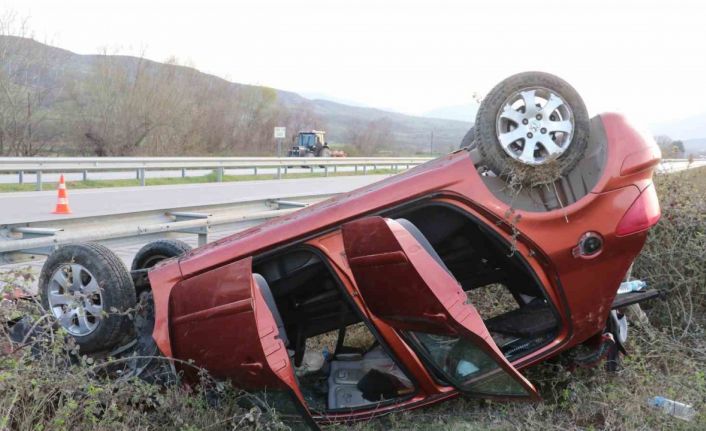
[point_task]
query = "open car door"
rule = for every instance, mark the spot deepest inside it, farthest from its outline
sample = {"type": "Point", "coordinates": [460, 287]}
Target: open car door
{"type": "Point", "coordinates": [222, 322]}
{"type": "Point", "coordinates": [404, 283]}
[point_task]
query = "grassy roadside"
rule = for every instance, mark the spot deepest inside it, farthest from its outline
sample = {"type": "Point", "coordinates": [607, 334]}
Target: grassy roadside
{"type": "Point", "coordinates": [210, 178]}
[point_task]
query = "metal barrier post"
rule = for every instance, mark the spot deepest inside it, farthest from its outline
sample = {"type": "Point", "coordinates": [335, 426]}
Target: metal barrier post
{"type": "Point", "coordinates": [39, 181]}
{"type": "Point", "coordinates": [219, 174]}
{"type": "Point", "coordinates": [202, 231]}
{"type": "Point", "coordinates": [326, 170]}
{"type": "Point", "coordinates": [279, 172]}
{"type": "Point", "coordinates": [85, 175]}
{"type": "Point", "coordinates": [183, 172]}
{"type": "Point", "coordinates": [141, 175]}
{"type": "Point", "coordinates": [365, 169]}
{"type": "Point", "coordinates": [21, 175]}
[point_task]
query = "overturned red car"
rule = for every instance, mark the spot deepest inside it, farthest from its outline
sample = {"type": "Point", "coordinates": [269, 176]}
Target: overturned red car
{"type": "Point", "coordinates": [376, 300]}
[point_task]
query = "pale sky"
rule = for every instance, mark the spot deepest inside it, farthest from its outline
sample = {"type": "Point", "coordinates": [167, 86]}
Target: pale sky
{"type": "Point", "coordinates": [645, 58]}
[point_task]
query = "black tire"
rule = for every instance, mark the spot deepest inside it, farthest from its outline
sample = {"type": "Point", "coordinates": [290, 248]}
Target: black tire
{"type": "Point", "coordinates": [468, 140]}
{"type": "Point", "coordinates": [151, 254]}
{"type": "Point", "coordinates": [116, 290]}
{"type": "Point", "coordinates": [156, 251]}
{"type": "Point", "coordinates": [494, 155]}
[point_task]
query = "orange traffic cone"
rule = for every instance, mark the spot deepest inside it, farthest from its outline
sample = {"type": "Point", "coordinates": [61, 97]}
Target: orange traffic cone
{"type": "Point", "coordinates": [62, 204]}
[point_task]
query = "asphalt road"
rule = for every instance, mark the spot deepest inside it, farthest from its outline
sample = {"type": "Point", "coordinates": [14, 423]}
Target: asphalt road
{"type": "Point", "coordinates": [25, 207]}
{"type": "Point", "coordinates": [680, 165]}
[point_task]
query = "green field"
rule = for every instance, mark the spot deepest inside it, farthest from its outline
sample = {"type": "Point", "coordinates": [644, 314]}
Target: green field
{"type": "Point", "coordinates": [210, 178]}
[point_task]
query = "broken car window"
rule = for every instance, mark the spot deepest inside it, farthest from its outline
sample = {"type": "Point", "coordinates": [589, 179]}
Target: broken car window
{"type": "Point", "coordinates": [465, 365]}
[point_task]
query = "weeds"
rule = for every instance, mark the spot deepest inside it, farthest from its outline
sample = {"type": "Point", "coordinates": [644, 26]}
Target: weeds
{"type": "Point", "coordinates": [674, 258]}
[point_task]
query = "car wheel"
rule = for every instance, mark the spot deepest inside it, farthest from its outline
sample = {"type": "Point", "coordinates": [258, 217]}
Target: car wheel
{"type": "Point", "coordinates": [468, 140]}
{"type": "Point", "coordinates": [152, 253]}
{"type": "Point", "coordinates": [532, 119]}
{"type": "Point", "coordinates": [89, 291]}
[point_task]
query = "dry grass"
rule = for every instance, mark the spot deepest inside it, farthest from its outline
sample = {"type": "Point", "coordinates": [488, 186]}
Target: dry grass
{"type": "Point", "coordinates": [674, 258]}
{"type": "Point", "coordinates": [584, 400]}
{"type": "Point", "coordinates": [492, 300]}
{"type": "Point", "coordinates": [357, 335]}
{"type": "Point", "coordinates": [521, 175]}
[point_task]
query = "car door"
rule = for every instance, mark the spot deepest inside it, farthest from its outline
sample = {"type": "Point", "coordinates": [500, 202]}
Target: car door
{"type": "Point", "coordinates": [221, 322]}
{"type": "Point", "coordinates": [405, 284]}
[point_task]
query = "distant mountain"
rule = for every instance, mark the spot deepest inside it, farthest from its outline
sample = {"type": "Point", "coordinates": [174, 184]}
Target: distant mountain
{"type": "Point", "coordinates": [691, 128]}
{"type": "Point", "coordinates": [465, 112]}
{"type": "Point", "coordinates": [697, 147]}
{"type": "Point", "coordinates": [410, 134]}
{"type": "Point", "coordinates": [322, 96]}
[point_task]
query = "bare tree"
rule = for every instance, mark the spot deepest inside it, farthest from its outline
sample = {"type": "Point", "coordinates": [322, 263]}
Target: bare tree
{"type": "Point", "coordinates": [29, 86]}
{"type": "Point", "coordinates": [371, 137]}
{"type": "Point", "coordinates": [670, 147]}
{"type": "Point", "coordinates": [115, 105]}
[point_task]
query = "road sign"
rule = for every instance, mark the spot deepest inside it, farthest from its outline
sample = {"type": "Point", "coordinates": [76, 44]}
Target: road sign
{"type": "Point", "coordinates": [280, 132]}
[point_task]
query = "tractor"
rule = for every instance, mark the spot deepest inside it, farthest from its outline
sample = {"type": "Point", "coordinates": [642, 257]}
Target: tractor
{"type": "Point", "coordinates": [310, 144]}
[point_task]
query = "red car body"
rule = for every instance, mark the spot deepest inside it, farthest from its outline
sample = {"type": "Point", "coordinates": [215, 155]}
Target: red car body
{"type": "Point", "coordinates": [209, 309]}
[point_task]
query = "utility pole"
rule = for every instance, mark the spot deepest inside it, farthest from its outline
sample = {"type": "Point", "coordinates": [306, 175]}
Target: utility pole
{"type": "Point", "coordinates": [28, 148]}
{"type": "Point", "coordinates": [431, 144]}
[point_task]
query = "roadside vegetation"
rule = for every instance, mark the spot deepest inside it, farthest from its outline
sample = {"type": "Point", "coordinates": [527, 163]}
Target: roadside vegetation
{"type": "Point", "coordinates": [46, 384]}
{"type": "Point", "coordinates": [210, 178]}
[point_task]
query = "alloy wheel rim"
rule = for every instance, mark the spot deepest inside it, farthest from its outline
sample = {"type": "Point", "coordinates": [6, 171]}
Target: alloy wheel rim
{"type": "Point", "coordinates": [75, 299]}
{"type": "Point", "coordinates": [535, 126]}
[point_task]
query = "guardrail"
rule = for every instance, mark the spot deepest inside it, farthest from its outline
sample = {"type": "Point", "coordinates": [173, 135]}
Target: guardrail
{"type": "Point", "coordinates": [38, 165]}
{"type": "Point", "coordinates": [23, 242]}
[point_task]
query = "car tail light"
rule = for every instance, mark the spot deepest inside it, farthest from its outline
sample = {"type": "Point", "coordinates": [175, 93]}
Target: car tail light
{"type": "Point", "coordinates": [642, 214]}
